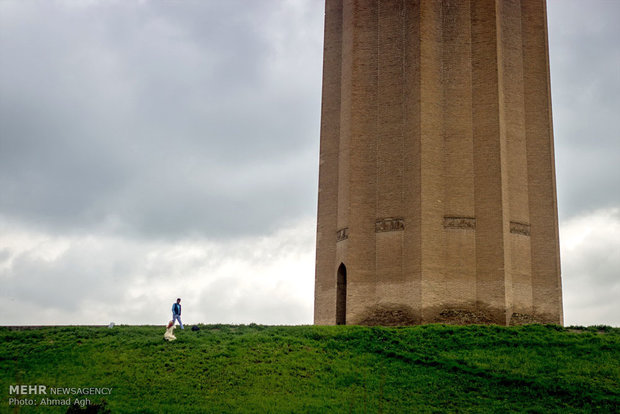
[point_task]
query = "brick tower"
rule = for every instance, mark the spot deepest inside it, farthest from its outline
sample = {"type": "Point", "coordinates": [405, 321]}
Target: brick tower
{"type": "Point", "coordinates": [437, 198]}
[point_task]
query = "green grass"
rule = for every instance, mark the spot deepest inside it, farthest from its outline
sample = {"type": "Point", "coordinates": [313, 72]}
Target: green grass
{"type": "Point", "coordinates": [319, 369]}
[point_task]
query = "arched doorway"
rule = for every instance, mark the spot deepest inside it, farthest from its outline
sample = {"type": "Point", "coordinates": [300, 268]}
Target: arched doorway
{"type": "Point", "coordinates": [341, 295]}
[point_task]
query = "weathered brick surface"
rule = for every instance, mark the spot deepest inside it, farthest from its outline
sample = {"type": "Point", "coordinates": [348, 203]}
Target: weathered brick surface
{"type": "Point", "coordinates": [437, 182]}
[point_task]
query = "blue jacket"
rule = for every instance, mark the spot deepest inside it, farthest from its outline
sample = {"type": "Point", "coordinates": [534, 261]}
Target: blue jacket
{"type": "Point", "coordinates": [176, 308]}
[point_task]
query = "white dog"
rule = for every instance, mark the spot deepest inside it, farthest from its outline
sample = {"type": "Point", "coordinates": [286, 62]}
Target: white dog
{"type": "Point", "coordinates": [169, 335]}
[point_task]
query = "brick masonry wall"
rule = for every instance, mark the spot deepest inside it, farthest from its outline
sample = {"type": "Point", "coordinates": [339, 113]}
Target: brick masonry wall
{"type": "Point", "coordinates": [436, 184]}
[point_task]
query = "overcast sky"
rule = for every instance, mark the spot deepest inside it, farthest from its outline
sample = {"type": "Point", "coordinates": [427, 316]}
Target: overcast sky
{"type": "Point", "coordinates": [155, 149]}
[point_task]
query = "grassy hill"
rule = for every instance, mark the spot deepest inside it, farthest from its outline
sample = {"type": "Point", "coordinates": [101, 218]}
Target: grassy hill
{"type": "Point", "coordinates": [223, 368]}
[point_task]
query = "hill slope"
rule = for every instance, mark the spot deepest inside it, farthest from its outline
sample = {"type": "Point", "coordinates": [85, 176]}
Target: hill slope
{"type": "Point", "coordinates": [223, 368]}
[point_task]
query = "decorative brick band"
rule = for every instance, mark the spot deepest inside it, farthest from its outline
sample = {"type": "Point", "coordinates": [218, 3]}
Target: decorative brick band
{"type": "Point", "coordinates": [342, 234]}
{"type": "Point", "coordinates": [463, 223]}
{"type": "Point", "coordinates": [389, 224]}
{"type": "Point", "coordinates": [519, 228]}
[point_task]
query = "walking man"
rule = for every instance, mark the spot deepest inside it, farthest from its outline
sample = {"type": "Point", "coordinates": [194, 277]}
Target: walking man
{"type": "Point", "coordinates": [176, 312]}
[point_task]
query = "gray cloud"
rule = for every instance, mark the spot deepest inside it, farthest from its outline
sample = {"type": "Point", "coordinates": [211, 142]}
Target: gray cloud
{"type": "Point", "coordinates": [585, 69]}
{"type": "Point", "coordinates": [590, 263]}
{"type": "Point", "coordinates": [156, 116]}
{"type": "Point", "coordinates": [85, 279]}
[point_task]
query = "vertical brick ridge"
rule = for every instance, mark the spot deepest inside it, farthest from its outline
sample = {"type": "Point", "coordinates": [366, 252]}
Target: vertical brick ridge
{"type": "Point", "coordinates": [519, 282]}
{"type": "Point", "coordinates": [459, 210]}
{"type": "Point", "coordinates": [489, 173]}
{"type": "Point", "coordinates": [361, 276]}
{"type": "Point", "coordinates": [546, 273]}
{"type": "Point", "coordinates": [431, 153]}
{"type": "Point", "coordinates": [327, 217]}
{"type": "Point", "coordinates": [504, 130]}
{"type": "Point", "coordinates": [412, 172]}
{"type": "Point", "coordinates": [389, 166]}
